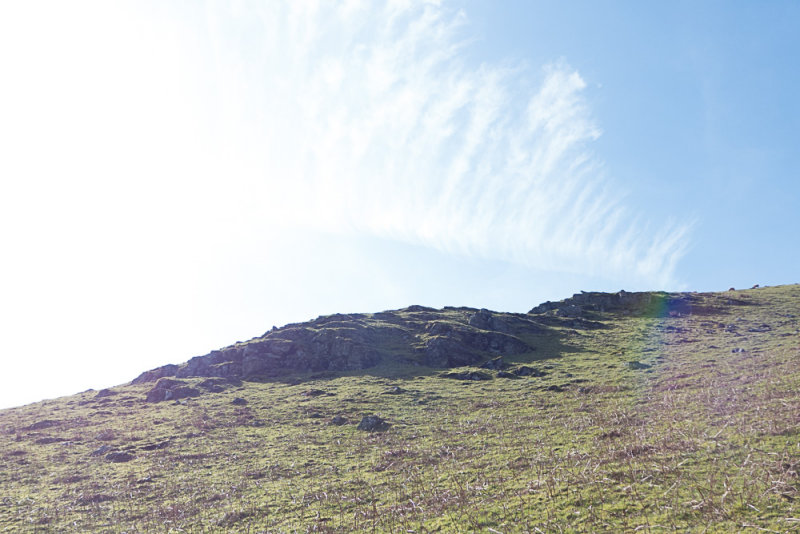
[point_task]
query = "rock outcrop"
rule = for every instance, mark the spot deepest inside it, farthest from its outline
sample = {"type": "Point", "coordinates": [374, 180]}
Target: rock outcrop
{"type": "Point", "coordinates": [418, 335]}
{"type": "Point", "coordinates": [154, 374]}
{"type": "Point", "coordinates": [624, 302]}
{"type": "Point", "coordinates": [466, 347]}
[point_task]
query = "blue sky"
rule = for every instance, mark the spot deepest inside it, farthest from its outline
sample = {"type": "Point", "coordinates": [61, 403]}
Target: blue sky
{"type": "Point", "coordinates": [699, 116]}
{"type": "Point", "coordinates": [178, 176]}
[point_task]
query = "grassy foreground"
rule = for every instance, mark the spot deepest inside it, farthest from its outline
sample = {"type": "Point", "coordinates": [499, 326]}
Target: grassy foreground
{"type": "Point", "coordinates": [674, 422]}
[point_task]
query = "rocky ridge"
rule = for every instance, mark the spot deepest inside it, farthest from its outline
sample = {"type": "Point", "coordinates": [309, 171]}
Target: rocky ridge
{"type": "Point", "coordinates": [417, 335]}
{"type": "Point", "coordinates": [587, 304]}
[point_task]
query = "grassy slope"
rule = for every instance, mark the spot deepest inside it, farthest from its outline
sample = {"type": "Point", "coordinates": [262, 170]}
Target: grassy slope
{"type": "Point", "coordinates": [704, 439]}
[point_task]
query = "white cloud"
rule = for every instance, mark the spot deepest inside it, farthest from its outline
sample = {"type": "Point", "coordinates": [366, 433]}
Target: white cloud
{"type": "Point", "coordinates": [149, 147]}
{"type": "Point", "coordinates": [355, 118]}
{"type": "Point", "coordinates": [375, 120]}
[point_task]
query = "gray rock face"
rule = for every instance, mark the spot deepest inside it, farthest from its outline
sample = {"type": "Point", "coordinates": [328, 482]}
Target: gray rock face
{"type": "Point", "coordinates": [299, 350]}
{"type": "Point", "coordinates": [569, 310]}
{"type": "Point", "coordinates": [227, 364]}
{"type": "Point", "coordinates": [495, 364]}
{"type": "Point", "coordinates": [419, 335]}
{"type": "Point", "coordinates": [486, 320]}
{"type": "Point", "coordinates": [154, 374]}
{"type": "Point", "coordinates": [458, 347]}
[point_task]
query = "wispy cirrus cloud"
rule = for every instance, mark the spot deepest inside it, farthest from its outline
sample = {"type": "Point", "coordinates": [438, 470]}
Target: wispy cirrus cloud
{"type": "Point", "coordinates": [374, 119]}
{"type": "Point", "coordinates": [174, 166]}
{"type": "Point", "coordinates": [356, 117]}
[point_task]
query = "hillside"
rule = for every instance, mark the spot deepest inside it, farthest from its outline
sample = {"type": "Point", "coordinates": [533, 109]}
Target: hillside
{"type": "Point", "coordinates": [601, 413]}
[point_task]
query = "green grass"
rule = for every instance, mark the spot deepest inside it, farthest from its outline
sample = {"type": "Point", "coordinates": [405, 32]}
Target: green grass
{"type": "Point", "coordinates": [697, 438]}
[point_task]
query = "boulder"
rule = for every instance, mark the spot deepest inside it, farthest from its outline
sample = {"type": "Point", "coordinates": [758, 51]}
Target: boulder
{"type": "Point", "coordinates": [217, 385]}
{"type": "Point", "coordinates": [119, 457]}
{"type": "Point", "coordinates": [338, 420]}
{"type": "Point", "coordinates": [524, 370]}
{"type": "Point", "coordinates": [373, 423]}
{"type": "Point", "coordinates": [467, 375]}
{"type": "Point", "coordinates": [442, 351]}
{"type": "Point", "coordinates": [156, 446]}
{"type": "Point", "coordinates": [44, 423]}
{"type": "Point", "coordinates": [49, 439]}
{"type": "Point", "coordinates": [170, 389]}
{"type": "Point", "coordinates": [103, 449]}
{"type": "Point", "coordinates": [506, 374]}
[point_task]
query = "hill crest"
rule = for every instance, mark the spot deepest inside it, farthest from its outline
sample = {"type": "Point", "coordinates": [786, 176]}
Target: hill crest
{"type": "Point", "coordinates": [418, 335]}
{"type": "Point", "coordinates": [632, 411]}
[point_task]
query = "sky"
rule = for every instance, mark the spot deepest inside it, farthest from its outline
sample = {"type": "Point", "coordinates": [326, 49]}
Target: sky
{"type": "Point", "coordinates": [177, 176]}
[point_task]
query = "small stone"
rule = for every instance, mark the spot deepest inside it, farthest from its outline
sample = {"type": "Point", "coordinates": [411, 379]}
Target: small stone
{"type": "Point", "coordinates": [467, 375]}
{"type": "Point", "coordinates": [238, 401]}
{"type": "Point", "coordinates": [169, 389]}
{"type": "Point", "coordinates": [39, 425]}
{"type": "Point", "coordinates": [373, 423]}
{"type": "Point", "coordinates": [49, 439]}
{"type": "Point", "coordinates": [155, 446]}
{"type": "Point", "coordinates": [119, 457]}
{"type": "Point", "coordinates": [339, 420]}
{"type": "Point", "coordinates": [524, 370]}
{"type": "Point", "coordinates": [101, 450]}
